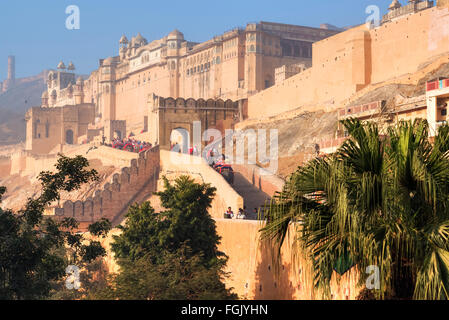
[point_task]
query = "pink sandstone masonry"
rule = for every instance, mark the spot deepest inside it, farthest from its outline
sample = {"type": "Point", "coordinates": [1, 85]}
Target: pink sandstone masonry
{"type": "Point", "coordinates": [252, 272]}
{"type": "Point", "coordinates": [350, 61]}
{"type": "Point", "coordinates": [26, 163]}
{"type": "Point", "coordinates": [5, 167]}
{"type": "Point", "coordinates": [135, 184]}
{"type": "Point", "coordinates": [260, 178]}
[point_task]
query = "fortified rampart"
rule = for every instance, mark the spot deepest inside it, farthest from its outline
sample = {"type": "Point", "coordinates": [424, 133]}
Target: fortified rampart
{"type": "Point", "coordinates": [5, 166]}
{"type": "Point", "coordinates": [134, 184]}
{"type": "Point", "coordinates": [26, 163]}
{"type": "Point", "coordinates": [49, 127]}
{"type": "Point", "coordinates": [349, 61]}
{"type": "Point", "coordinates": [252, 273]}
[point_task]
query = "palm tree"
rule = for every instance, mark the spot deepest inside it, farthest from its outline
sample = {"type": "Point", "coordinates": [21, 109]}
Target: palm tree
{"type": "Point", "coordinates": [380, 200]}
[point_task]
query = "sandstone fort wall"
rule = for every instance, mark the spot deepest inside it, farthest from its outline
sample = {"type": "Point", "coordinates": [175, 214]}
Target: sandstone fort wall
{"type": "Point", "coordinates": [135, 183]}
{"type": "Point", "coordinates": [347, 62]}
{"type": "Point", "coordinates": [26, 163]}
{"type": "Point", "coordinates": [5, 167]}
{"type": "Point", "coordinates": [253, 274]}
{"type": "Point", "coordinates": [252, 271]}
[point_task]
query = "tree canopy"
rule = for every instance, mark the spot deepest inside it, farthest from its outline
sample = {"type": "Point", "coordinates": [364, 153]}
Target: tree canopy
{"type": "Point", "coordinates": [380, 200]}
{"type": "Point", "coordinates": [34, 249]}
{"type": "Point", "coordinates": [172, 254]}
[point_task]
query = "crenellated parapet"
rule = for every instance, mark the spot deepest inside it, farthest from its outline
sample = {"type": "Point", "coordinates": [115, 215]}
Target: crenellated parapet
{"type": "Point", "coordinates": [193, 104]}
{"type": "Point", "coordinates": [167, 115]}
{"type": "Point", "coordinates": [133, 184]}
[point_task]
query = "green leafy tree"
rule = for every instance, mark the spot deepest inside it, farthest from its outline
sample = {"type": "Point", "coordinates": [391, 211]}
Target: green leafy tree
{"type": "Point", "coordinates": [380, 200]}
{"type": "Point", "coordinates": [180, 275]}
{"type": "Point", "coordinates": [33, 248]}
{"type": "Point", "coordinates": [172, 254]}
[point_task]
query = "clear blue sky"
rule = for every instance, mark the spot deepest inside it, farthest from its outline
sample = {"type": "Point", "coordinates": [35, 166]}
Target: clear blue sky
{"type": "Point", "coordinates": [34, 30]}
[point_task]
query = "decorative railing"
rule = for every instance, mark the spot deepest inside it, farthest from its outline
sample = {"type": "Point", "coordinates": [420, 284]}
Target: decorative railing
{"type": "Point", "coordinates": [359, 110]}
{"type": "Point", "coordinates": [437, 84]}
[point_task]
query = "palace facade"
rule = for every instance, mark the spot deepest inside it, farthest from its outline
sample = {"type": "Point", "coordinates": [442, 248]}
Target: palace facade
{"type": "Point", "coordinates": [234, 65]}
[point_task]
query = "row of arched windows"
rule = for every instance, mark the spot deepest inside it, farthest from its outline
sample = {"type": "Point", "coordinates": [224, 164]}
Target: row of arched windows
{"type": "Point", "coordinates": [199, 57]}
{"type": "Point", "coordinates": [199, 68]}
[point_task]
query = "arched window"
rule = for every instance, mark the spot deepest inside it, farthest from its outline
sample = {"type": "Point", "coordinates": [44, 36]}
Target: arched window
{"type": "Point", "coordinates": [69, 137]}
{"type": "Point", "coordinates": [36, 125]}
{"type": "Point", "coordinates": [47, 130]}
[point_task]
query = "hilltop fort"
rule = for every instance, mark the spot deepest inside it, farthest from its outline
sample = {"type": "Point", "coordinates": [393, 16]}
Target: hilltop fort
{"type": "Point", "coordinates": [298, 80]}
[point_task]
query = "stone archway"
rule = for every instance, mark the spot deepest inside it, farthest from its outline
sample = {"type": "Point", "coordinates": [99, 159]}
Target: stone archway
{"type": "Point", "coordinates": [180, 137]}
{"type": "Point", "coordinates": [69, 137]}
{"type": "Point", "coordinates": [186, 117]}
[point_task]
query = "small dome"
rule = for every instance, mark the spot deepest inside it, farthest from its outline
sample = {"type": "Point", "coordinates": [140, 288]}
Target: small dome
{"type": "Point", "coordinates": [71, 66]}
{"type": "Point", "coordinates": [175, 35]}
{"type": "Point", "coordinates": [123, 40]}
{"type": "Point", "coordinates": [79, 80]}
{"type": "Point", "coordinates": [61, 66]}
{"type": "Point", "coordinates": [45, 95]}
{"type": "Point", "coordinates": [139, 40]}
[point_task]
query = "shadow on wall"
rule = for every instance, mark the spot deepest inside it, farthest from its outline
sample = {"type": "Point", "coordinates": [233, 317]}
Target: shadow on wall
{"type": "Point", "coordinates": [295, 277]}
{"type": "Point", "coordinates": [269, 284]}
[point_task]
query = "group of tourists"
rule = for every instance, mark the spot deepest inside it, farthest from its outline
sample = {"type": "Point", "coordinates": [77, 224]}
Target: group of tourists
{"type": "Point", "coordinates": [131, 145]}
{"type": "Point", "coordinates": [243, 214]}
{"type": "Point", "coordinates": [229, 214]}
{"type": "Point", "coordinates": [216, 160]}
